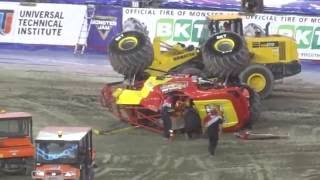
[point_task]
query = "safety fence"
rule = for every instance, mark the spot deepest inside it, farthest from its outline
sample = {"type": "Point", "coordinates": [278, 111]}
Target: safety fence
{"type": "Point", "coordinates": [67, 25]}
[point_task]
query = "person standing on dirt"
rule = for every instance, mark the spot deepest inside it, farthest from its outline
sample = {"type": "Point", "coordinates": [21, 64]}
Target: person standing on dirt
{"type": "Point", "coordinates": [192, 120]}
{"type": "Point", "coordinates": [213, 123]}
{"type": "Point", "coordinates": [166, 109]}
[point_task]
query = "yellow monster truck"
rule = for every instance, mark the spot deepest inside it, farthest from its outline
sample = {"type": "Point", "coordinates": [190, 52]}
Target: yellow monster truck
{"type": "Point", "coordinates": [248, 55]}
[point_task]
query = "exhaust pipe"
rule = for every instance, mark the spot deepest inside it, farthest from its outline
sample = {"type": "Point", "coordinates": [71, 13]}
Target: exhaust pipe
{"type": "Point", "coordinates": [267, 28]}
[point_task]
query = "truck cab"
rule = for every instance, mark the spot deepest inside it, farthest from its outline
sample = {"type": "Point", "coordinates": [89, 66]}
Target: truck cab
{"type": "Point", "coordinates": [16, 148]}
{"type": "Point", "coordinates": [64, 153]}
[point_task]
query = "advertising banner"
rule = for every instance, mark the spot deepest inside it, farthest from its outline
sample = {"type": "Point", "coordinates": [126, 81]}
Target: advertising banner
{"type": "Point", "coordinates": [185, 26]}
{"type": "Point", "coordinates": [105, 24]}
{"type": "Point", "coordinates": [310, 7]}
{"type": "Point", "coordinates": [51, 24]}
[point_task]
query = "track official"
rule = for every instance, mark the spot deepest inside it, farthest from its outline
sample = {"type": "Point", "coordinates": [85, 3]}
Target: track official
{"type": "Point", "coordinates": [166, 109]}
{"type": "Point", "coordinates": [213, 123]}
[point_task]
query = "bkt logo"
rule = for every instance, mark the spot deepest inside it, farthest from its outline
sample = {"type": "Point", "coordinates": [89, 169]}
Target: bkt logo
{"type": "Point", "coordinates": [306, 36]}
{"type": "Point", "coordinates": [180, 29]}
{"type": "Point", "coordinates": [6, 17]}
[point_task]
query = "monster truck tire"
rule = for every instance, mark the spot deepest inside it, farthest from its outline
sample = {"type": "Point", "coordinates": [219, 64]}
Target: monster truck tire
{"type": "Point", "coordinates": [132, 24]}
{"type": "Point", "coordinates": [193, 71]}
{"type": "Point", "coordinates": [225, 54]}
{"type": "Point", "coordinates": [90, 174]}
{"type": "Point", "coordinates": [29, 166]}
{"type": "Point", "coordinates": [130, 53]}
{"type": "Point", "coordinates": [259, 78]}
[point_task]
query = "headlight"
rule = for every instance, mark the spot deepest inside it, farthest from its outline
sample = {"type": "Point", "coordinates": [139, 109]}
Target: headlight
{"type": "Point", "coordinates": [69, 174]}
{"type": "Point", "coordinates": [39, 173]}
{"type": "Point", "coordinates": [117, 92]}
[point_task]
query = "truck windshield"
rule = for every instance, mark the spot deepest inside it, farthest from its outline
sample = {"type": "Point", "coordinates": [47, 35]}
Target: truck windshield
{"type": "Point", "coordinates": [14, 128]}
{"type": "Point", "coordinates": [57, 152]}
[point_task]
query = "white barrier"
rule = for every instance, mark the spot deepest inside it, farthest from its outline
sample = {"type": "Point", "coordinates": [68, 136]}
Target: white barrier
{"type": "Point", "coordinates": [43, 23]}
{"type": "Point", "coordinates": [175, 25]}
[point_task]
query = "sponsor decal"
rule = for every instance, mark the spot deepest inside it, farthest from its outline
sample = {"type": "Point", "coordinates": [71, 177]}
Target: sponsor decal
{"type": "Point", "coordinates": [265, 44]}
{"type": "Point", "coordinates": [180, 30]}
{"type": "Point", "coordinates": [183, 56]}
{"type": "Point", "coordinates": [6, 17]}
{"type": "Point", "coordinates": [173, 86]}
{"type": "Point", "coordinates": [104, 24]}
{"type": "Point", "coordinates": [43, 23]}
{"type": "Point", "coordinates": [307, 37]}
{"type": "Point", "coordinates": [46, 23]}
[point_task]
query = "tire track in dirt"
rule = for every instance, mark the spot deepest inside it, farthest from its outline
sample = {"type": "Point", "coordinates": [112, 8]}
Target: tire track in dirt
{"type": "Point", "coordinates": [165, 164]}
{"type": "Point", "coordinates": [259, 169]}
{"type": "Point", "coordinates": [159, 165]}
{"type": "Point", "coordinates": [294, 109]}
{"type": "Point", "coordinates": [311, 174]}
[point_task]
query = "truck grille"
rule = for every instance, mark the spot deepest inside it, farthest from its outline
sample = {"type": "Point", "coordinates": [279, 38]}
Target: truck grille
{"type": "Point", "coordinates": [54, 178]}
{"type": "Point", "coordinates": [282, 51]}
{"type": "Point", "coordinates": [54, 175]}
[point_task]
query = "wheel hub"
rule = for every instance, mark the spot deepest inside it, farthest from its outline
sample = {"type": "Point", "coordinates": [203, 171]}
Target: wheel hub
{"type": "Point", "coordinates": [257, 82]}
{"type": "Point", "coordinates": [128, 43]}
{"type": "Point", "coordinates": [224, 45]}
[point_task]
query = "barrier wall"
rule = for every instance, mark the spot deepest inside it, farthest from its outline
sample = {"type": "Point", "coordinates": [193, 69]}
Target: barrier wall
{"type": "Point", "coordinates": [56, 24]}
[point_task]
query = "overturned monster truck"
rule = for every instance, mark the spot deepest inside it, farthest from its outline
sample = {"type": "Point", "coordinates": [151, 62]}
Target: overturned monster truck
{"type": "Point", "coordinates": [225, 51]}
{"type": "Point", "coordinates": [139, 104]}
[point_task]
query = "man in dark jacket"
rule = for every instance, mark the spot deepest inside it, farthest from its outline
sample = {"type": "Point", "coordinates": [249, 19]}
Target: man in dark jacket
{"type": "Point", "coordinates": [192, 120]}
{"type": "Point", "coordinates": [166, 109]}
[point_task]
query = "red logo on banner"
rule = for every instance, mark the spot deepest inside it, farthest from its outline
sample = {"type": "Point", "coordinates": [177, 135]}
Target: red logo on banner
{"type": "Point", "coordinates": [6, 17]}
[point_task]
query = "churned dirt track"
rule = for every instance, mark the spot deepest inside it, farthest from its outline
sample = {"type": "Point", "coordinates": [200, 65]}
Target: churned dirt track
{"type": "Point", "coordinates": [71, 97]}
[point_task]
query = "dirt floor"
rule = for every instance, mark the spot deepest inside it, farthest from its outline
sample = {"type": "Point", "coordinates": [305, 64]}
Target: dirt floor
{"type": "Point", "coordinates": [71, 97]}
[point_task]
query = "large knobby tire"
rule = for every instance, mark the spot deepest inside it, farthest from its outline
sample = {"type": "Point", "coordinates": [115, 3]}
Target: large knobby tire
{"type": "Point", "coordinates": [193, 72]}
{"type": "Point", "coordinates": [225, 54]}
{"type": "Point", "coordinates": [130, 53]}
{"type": "Point", "coordinates": [29, 166]}
{"type": "Point", "coordinates": [90, 174]}
{"type": "Point", "coordinates": [133, 24]}
{"type": "Point", "coordinates": [83, 174]}
{"type": "Point", "coordinates": [259, 78]}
